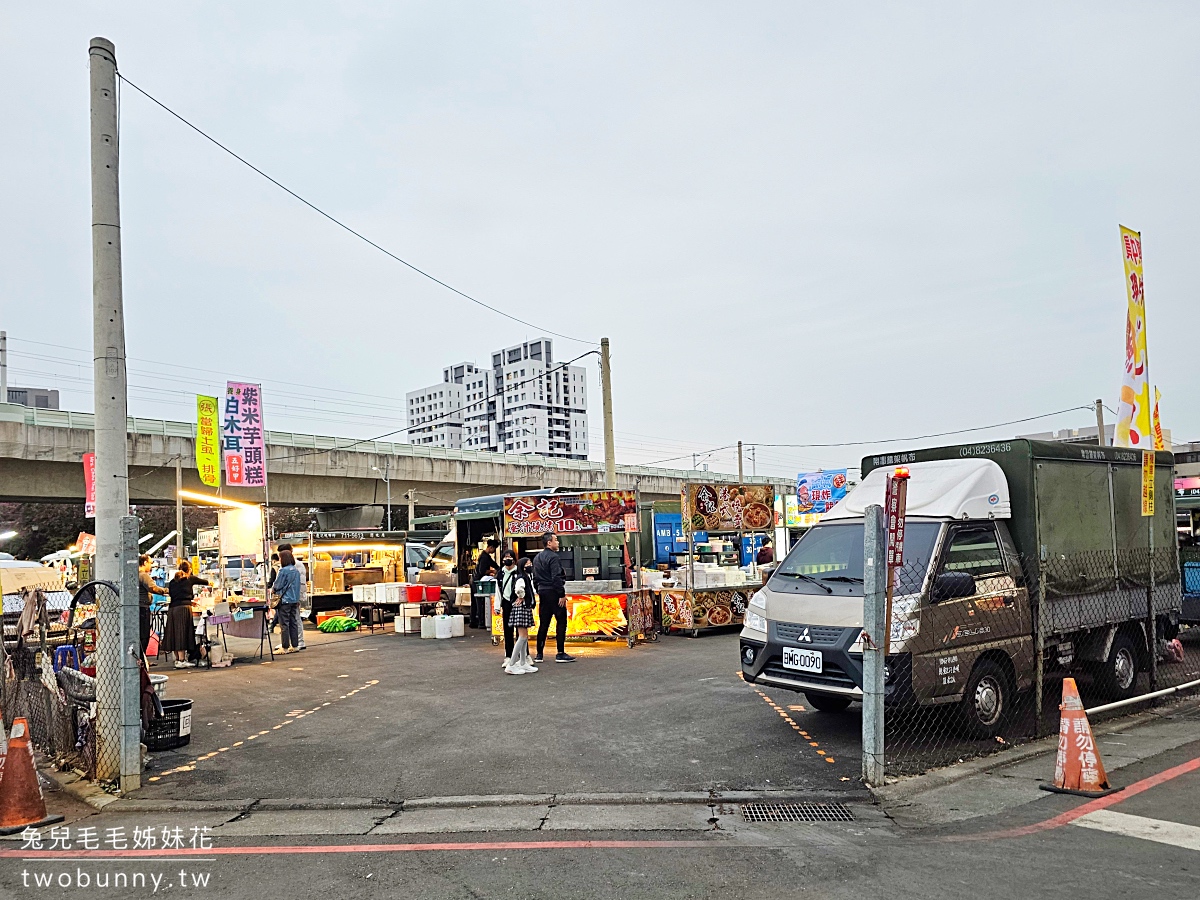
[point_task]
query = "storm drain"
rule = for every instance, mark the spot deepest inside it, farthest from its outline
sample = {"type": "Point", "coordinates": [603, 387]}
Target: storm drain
{"type": "Point", "coordinates": [796, 812]}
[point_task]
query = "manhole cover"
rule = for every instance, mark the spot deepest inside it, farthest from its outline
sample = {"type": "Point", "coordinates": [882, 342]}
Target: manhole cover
{"type": "Point", "coordinates": [796, 812]}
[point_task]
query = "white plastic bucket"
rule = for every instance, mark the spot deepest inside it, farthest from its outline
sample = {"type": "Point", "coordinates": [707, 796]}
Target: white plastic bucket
{"type": "Point", "coordinates": [428, 628]}
{"type": "Point", "coordinates": [458, 626]}
{"type": "Point", "coordinates": [159, 683]}
{"type": "Point", "coordinates": [444, 627]}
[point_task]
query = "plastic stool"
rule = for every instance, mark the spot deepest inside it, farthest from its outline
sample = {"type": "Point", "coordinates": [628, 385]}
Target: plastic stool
{"type": "Point", "coordinates": [63, 656]}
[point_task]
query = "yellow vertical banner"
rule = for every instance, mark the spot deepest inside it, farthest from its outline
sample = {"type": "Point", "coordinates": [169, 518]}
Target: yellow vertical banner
{"type": "Point", "coordinates": [208, 454]}
{"type": "Point", "coordinates": [1159, 443]}
{"type": "Point", "coordinates": [1133, 411]}
{"type": "Point", "coordinates": [1147, 482]}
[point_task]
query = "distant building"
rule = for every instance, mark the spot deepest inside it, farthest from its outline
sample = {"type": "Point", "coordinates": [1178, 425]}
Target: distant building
{"type": "Point", "coordinates": [38, 398]}
{"type": "Point", "coordinates": [524, 404]}
{"type": "Point", "coordinates": [1084, 435]}
{"type": "Point", "coordinates": [435, 413]}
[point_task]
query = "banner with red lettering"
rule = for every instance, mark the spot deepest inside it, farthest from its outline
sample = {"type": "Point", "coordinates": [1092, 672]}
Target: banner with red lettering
{"type": "Point", "coordinates": [242, 438]}
{"type": "Point", "coordinates": [598, 512]}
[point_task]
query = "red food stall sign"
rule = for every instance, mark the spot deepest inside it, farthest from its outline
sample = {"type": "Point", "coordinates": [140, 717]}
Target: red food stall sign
{"type": "Point", "coordinates": [598, 512]}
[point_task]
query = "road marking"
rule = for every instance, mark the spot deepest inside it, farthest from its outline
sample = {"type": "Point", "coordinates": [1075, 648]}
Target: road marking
{"type": "Point", "coordinates": [362, 848]}
{"type": "Point", "coordinates": [190, 766]}
{"type": "Point", "coordinates": [1157, 830]}
{"type": "Point", "coordinates": [1084, 808]}
{"type": "Point", "coordinates": [783, 714]}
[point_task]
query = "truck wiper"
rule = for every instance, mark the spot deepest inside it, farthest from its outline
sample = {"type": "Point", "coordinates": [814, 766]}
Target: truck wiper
{"type": "Point", "coordinates": [849, 579]}
{"type": "Point", "coordinates": [826, 588]}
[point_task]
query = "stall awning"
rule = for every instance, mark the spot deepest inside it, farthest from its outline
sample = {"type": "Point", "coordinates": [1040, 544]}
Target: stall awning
{"type": "Point", "coordinates": [432, 520]}
{"type": "Point", "coordinates": [478, 514]}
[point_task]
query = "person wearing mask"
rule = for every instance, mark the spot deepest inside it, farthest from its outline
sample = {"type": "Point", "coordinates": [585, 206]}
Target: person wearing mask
{"type": "Point", "coordinates": [550, 581]}
{"type": "Point", "coordinates": [287, 589]}
{"type": "Point", "coordinates": [507, 594]}
{"type": "Point", "coordinates": [146, 587]}
{"type": "Point", "coordinates": [181, 630]}
{"type": "Point", "coordinates": [521, 619]}
{"type": "Point", "coordinates": [765, 553]}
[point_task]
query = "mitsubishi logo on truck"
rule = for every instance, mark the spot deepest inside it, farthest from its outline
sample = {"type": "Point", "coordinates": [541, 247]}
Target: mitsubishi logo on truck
{"type": "Point", "coordinates": [804, 636]}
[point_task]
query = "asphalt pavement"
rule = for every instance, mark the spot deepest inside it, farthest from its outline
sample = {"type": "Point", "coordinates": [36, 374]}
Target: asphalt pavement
{"type": "Point", "coordinates": [393, 718]}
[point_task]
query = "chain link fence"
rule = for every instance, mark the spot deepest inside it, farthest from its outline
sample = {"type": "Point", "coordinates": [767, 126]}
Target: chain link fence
{"type": "Point", "coordinates": [979, 647]}
{"type": "Point", "coordinates": [48, 661]}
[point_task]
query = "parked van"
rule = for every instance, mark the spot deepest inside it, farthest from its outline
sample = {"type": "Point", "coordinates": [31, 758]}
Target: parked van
{"type": "Point", "coordinates": [990, 528]}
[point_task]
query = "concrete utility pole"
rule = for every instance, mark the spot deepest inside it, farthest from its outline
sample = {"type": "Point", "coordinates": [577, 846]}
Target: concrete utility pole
{"type": "Point", "coordinates": [130, 722]}
{"type": "Point", "coordinates": [111, 406]}
{"type": "Point", "coordinates": [3, 366]}
{"type": "Point", "coordinates": [412, 506]}
{"type": "Point", "coordinates": [1101, 438]}
{"type": "Point", "coordinates": [610, 453]}
{"type": "Point", "coordinates": [874, 641]}
{"type": "Point", "coordinates": [180, 550]}
{"type": "Point", "coordinates": [741, 477]}
{"type": "Point", "coordinates": [108, 317]}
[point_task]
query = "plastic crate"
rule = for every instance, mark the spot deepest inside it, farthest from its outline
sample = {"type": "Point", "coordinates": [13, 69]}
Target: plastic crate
{"type": "Point", "coordinates": [172, 729]}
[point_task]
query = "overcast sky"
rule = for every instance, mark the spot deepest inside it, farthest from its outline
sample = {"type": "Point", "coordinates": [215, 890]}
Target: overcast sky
{"type": "Point", "coordinates": [798, 222]}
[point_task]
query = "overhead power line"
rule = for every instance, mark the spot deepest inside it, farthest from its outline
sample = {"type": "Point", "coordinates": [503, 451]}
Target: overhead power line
{"type": "Point", "coordinates": [894, 440]}
{"type": "Point", "coordinates": [338, 222]}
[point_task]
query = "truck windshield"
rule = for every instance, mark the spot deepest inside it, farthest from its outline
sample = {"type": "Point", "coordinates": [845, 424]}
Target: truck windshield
{"type": "Point", "coordinates": [834, 552]}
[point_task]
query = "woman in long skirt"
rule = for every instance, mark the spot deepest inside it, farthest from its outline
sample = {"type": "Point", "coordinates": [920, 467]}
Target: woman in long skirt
{"type": "Point", "coordinates": [181, 630]}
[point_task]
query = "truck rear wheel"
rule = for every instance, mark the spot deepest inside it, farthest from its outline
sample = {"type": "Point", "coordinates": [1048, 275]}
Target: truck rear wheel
{"type": "Point", "coordinates": [1116, 677]}
{"type": "Point", "coordinates": [828, 703]}
{"type": "Point", "coordinates": [987, 701]}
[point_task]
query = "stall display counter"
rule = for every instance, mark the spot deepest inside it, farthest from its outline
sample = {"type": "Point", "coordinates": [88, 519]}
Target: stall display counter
{"type": "Point", "coordinates": [612, 615]}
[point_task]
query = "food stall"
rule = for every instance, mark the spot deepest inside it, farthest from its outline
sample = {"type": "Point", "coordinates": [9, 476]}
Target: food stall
{"type": "Point", "coordinates": [345, 566]}
{"type": "Point", "coordinates": [594, 530]}
{"type": "Point", "coordinates": [711, 587]}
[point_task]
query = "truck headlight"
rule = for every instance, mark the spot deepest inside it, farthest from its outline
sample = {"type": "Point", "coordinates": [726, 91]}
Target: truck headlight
{"type": "Point", "coordinates": [755, 622]}
{"type": "Point", "coordinates": [758, 601]}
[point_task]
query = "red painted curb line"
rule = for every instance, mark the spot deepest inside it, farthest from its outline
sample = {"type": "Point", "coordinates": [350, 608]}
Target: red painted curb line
{"type": "Point", "coordinates": [1082, 810]}
{"type": "Point", "coordinates": [356, 848]}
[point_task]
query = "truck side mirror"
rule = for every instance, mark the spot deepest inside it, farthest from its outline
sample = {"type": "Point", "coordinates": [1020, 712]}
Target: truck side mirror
{"type": "Point", "coordinates": [952, 585]}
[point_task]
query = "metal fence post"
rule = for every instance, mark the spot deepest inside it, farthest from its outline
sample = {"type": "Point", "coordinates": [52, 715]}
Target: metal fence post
{"type": "Point", "coordinates": [874, 623]}
{"type": "Point", "coordinates": [131, 656]}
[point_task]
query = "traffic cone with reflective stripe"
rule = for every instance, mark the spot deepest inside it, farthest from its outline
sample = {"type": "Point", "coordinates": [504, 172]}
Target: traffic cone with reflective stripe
{"type": "Point", "coordinates": [21, 802]}
{"type": "Point", "coordinates": [1078, 768]}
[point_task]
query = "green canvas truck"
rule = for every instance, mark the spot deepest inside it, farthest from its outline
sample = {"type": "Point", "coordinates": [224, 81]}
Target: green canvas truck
{"type": "Point", "coordinates": [991, 528]}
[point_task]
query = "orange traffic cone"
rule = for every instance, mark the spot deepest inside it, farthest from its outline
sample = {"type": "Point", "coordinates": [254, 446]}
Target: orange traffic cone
{"type": "Point", "coordinates": [21, 801]}
{"type": "Point", "coordinates": [1078, 768]}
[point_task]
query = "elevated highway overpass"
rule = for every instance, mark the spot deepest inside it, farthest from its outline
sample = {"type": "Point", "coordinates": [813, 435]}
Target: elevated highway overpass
{"type": "Point", "coordinates": [41, 452]}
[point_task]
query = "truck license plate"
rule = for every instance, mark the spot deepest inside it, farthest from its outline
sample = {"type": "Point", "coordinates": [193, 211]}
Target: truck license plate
{"type": "Point", "coordinates": [803, 660]}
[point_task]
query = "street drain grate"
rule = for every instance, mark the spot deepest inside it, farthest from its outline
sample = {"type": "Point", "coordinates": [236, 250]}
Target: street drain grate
{"type": "Point", "coordinates": [796, 812]}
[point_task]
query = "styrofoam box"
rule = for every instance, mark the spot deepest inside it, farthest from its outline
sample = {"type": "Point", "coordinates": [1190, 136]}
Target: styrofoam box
{"type": "Point", "coordinates": [392, 592]}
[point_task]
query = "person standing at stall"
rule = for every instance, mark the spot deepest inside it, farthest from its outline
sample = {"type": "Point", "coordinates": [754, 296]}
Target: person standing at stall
{"type": "Point", "coordinates": [521, 619]}
{"type": "Point", "coordinates": [765, 553]}
{"type": "Point", "coordinates": [486, 564]}
{"type": "Point", "coordinates": [508, 593]}
{"type": "Point", "coordinates": [181, 630]}
{"type": "Point", "coordinates": [550, 581]}
{"type": "Point", "coordinates": [287, 589]}
{"type": "Point", "coordinates": [146, 587]}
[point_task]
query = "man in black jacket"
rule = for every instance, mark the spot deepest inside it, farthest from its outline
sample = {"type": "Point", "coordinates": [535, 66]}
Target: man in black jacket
{"type": "Point", "coordinates": [550, 581]}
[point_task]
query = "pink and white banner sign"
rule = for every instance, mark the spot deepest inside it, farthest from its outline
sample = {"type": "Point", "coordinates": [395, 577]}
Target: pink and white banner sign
{"type": "Point", "coordinates": [242, 436]}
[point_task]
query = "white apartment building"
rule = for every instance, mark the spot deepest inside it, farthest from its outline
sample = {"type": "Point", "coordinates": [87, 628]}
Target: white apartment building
{"type": "Point", "coordinates": [435, 413]}
{"type": "Point", "coordinates": [525, 404]}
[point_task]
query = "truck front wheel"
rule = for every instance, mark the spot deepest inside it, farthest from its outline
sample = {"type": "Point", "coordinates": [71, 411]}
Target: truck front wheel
{"type": "Point", "coordinates": [829, 703]}
{"type": "Point", "coordinates": [1116, 677]}
{"type": "Point", "coordinates": [985, 706]}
